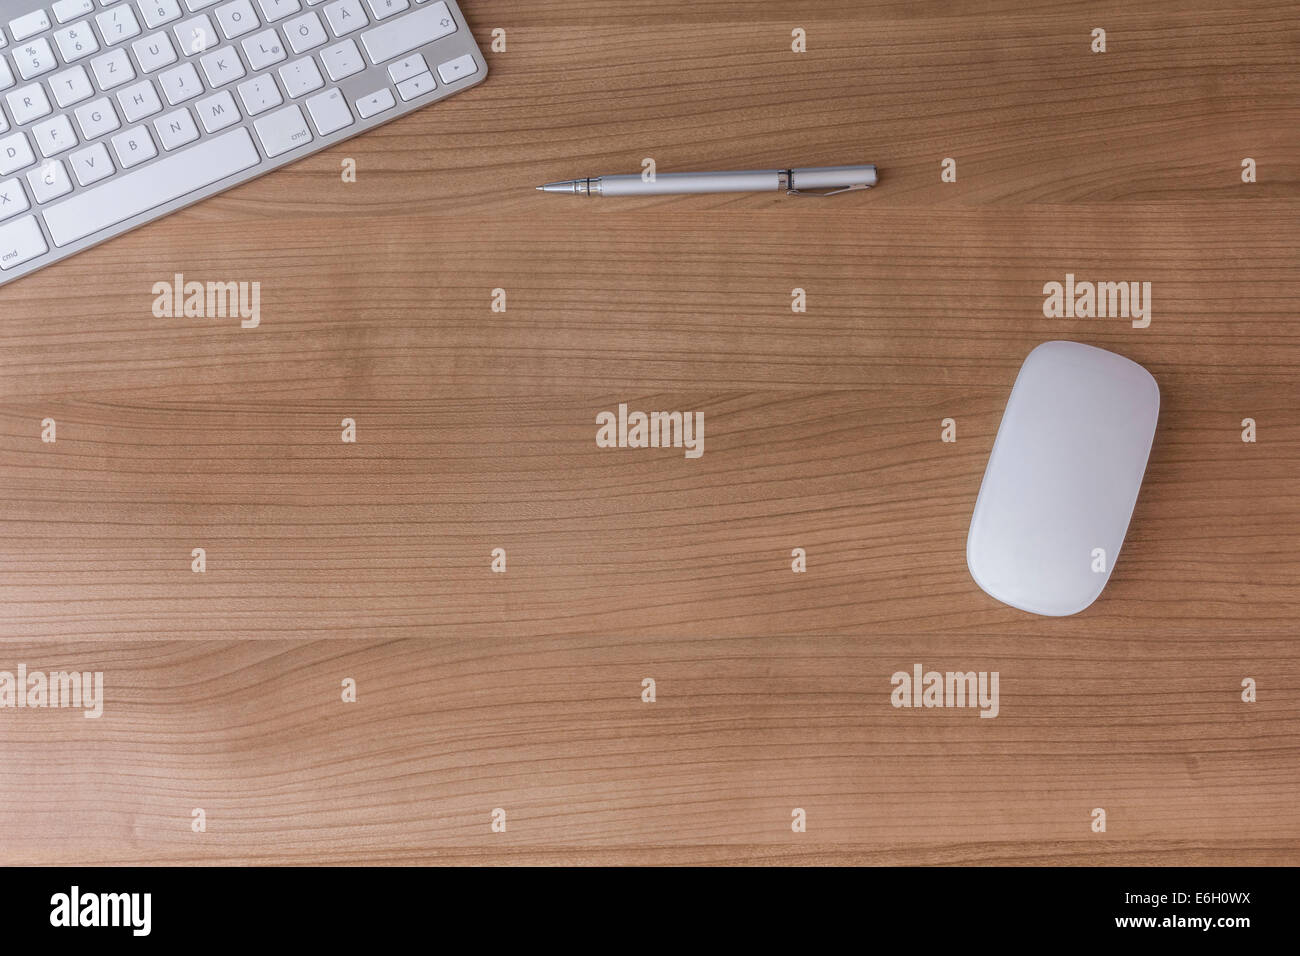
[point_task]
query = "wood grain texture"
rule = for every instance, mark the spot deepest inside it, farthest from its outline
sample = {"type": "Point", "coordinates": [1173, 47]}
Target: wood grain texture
{"type": "Point", "coordinates": [476, 430]}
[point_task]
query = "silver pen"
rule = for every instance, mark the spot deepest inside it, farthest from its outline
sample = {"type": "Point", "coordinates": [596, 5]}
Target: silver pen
{"type": "Point", "coordinates": [830, 180]}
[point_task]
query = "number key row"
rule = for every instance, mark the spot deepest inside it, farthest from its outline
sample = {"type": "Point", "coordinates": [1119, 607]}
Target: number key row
{"type": "Point", "coordinates": [195, 35]}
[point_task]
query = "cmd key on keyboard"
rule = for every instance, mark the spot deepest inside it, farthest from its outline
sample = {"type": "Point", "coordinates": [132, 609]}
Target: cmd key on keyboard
{"type": "Point", "coordinates": [20, 240]}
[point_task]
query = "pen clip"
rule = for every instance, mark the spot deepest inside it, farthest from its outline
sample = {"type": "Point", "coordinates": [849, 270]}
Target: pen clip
{"type": "Point", "coordinates": [786, 179]}
{"type": "Point", "coordinates": [834, 192]}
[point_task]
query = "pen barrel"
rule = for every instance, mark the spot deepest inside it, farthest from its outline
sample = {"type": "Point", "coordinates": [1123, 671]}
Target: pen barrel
{"type": "Point", "coordinates": [833, 177]}
{"type": "Point", "coordinates": [669, 184]}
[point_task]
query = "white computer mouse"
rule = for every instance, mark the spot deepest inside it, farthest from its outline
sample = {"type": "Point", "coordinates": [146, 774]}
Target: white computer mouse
{"type": "Point", "coordinates": [1062, 478]}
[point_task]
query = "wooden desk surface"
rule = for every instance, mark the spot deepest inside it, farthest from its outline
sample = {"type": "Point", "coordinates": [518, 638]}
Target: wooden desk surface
{"type": "Point", "coordinates": [522, 691]}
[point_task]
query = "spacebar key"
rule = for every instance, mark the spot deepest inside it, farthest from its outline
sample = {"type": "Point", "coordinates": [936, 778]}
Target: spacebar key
{"type": "Point", "coordinates": [404, 34]}
{"type": "Point", "coordinates": [178, 175]}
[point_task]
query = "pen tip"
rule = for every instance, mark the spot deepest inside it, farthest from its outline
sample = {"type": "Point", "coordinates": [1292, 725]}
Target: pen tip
{"type": "Point", "coordinates": [541, 189]}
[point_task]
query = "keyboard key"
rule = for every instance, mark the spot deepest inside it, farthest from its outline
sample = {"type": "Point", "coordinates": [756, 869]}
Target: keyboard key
{"type": "Point", "coordinates": [29, 25]}
{"type": "Point", "coordinates": [375, 102]}
{"type": "Point", "coordinates": [71, 86]}
{"type": "Point", "coordinates": [304, 33]}
{"type": "Point", "coordinates": [457, 69]}
{"type": "Point", "coordinates": [112, 69]}
{"type": "Point", "coordinates": [217, 112]}
{"type": "Point", "coordinates": [274, 10]}
{"type": "Point", "coordinates": [260, 94]}
{"type": "Point", "coordinates": [408, 33]}
{"type": "Point", "coordinates": [382, 9]}
{"type": "Point", "coordinates": [65, 10]}
{"type": "Point", "coordinates": [407, 67]}
{"type": "Point", "coordinates": [54, 135]}
{"type": "Point", "coordinates": [180, 84]}
{"type": "Point", "coordinates": [263, 50]}
{"type": "Point", "coordinates": [342, 59]}
{"type": "Point", "coordinates": [49, 181]}
{"type": "Point", "coordinates": [154, 52]}
{"type": "Point", "coordinates": [176, 89]}
{"type": "Point", "coordinates": [97, 118]}
{"type": "Point", "coordinates": [345, 16]}
{"type": "Point", "coordinates": [118, 24]}
{"type": "Point", "coordinates": [195, 35]}
{"type": "Point", "coordinates": [76, 41]}
{"type": "Point", "coordinates": [133, 147]}
{"type": "Point", "coordinates": [138, 101]}
{"type": "Point", "coordinates": [222, 66]}
{"type": "Point", "coordinates": [34, 58]}
{"type": "Point", "coordinates": [28, 103]}
{"type": "Point", "coordinates": [15, 154]}
{"type": "Point", "coordinates": [177, 174]}
{"type": "Point", "coordinates": [237, 18]}
{"type": "Point", "coordinates": [20, 241]}
{"type": "Point", "coordinates": [282, 131]}
{"type": "Point", "coordinates": [176, 129]}
{"type": "Point", "coordinates": [91, 164]}
{"type": "Point", "coordinates": [301, 77]}
{"type": "Point", "coordinates": [415, 86]}
{"type": "Point", "coordinates": [13, 199]}
{"type": "Point", "coordinates": [329, 111]}
{"type": "Point", "coordinates": [158, 12]}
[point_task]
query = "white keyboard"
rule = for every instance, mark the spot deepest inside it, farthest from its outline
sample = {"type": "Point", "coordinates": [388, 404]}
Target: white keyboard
{"type": "Point", "coordinates": [116, 112]}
